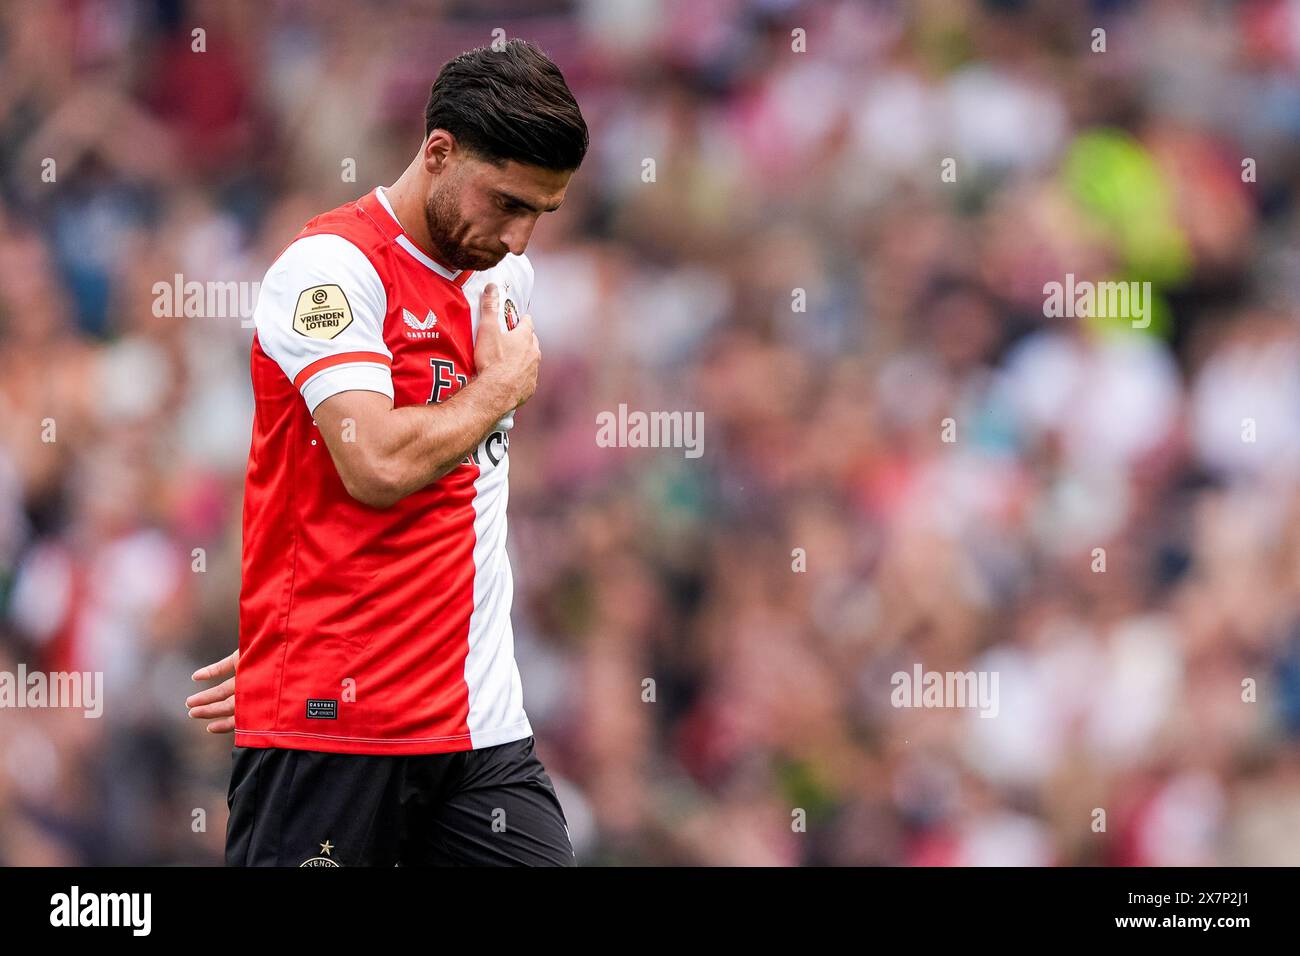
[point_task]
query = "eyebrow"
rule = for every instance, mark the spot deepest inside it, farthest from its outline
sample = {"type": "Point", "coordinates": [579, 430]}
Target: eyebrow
{"type": "Point", "coordinates": [527, 205]}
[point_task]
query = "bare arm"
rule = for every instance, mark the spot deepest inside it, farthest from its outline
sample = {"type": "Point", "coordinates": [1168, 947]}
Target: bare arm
{"type": "Point", "coordinates": [384, 454]}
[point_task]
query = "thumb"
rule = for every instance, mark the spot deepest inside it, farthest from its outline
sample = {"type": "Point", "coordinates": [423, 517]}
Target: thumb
{"type": "Point", "coordinates": [488, 313]}
{"type": "Point", "coordinates": [489, 305]}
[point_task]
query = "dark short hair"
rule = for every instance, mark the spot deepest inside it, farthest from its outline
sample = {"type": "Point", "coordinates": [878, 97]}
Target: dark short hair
{"type": "Point", "coordinates": [509, 104]}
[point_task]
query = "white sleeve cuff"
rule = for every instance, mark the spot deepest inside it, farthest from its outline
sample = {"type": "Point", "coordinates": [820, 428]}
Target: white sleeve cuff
{"type": "Point", "coordinates": [348, 377]}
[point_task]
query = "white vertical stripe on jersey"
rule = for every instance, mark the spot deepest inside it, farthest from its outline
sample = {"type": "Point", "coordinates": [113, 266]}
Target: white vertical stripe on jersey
{"type": "Point", "coordinates": [496, 697]}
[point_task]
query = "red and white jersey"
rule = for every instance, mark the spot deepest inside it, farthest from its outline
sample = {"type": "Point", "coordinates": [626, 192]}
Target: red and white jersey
{"type": "Point", "coordinates": [368, 630]}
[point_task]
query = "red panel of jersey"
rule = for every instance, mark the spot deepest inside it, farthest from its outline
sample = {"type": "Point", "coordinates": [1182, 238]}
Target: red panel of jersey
{"type": "Point", "coordinates": [366, 630]}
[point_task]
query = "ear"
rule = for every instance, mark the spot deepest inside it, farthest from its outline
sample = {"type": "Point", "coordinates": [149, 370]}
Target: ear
{"type": "Point", "coordinates": [438, 146]}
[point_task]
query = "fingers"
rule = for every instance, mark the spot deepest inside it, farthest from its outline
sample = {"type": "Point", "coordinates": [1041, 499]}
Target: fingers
{"type": "Point", "coordinates": [211, 694]}
{"type": "Point", "coordinates": [216, 704]}
{"type": "Point", "coordinates": [219, 669]}
{"type": "Point", "coordinates": [222, 708]}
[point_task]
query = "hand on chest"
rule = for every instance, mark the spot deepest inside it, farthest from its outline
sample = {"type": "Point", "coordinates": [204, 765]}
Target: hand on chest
{"type": "Point", "coordinates": [430, 329]}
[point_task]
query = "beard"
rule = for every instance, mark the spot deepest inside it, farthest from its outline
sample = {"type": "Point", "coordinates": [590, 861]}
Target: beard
{"type": "Point", "coordinates": [446, 229]}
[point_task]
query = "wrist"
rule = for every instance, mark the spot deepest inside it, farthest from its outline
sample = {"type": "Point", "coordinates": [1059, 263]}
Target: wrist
{"type": "Point", "coordinates": [498, 394]}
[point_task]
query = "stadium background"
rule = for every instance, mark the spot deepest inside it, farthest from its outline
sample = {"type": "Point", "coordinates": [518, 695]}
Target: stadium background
{"type": "Point", "coordinates": [775, 171]}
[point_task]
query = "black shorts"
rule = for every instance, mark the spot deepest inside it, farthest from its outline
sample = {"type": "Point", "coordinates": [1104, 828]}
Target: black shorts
{"type": "Point", "coordinates": [490, 807]}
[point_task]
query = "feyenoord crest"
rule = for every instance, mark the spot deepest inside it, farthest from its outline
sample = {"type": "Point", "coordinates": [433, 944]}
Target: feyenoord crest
{"type": "Point", "coordinates": [323, 860]}
{"type": "Point", "coordinates": [512, 316]}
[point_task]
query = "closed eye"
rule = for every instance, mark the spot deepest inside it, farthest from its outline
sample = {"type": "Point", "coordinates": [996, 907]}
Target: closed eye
{"type": "Point", "coordinates": [510, 203]}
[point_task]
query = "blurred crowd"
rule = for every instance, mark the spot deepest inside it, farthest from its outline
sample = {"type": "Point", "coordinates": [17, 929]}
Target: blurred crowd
{"type": "Point", "coordinates": [905, 461]}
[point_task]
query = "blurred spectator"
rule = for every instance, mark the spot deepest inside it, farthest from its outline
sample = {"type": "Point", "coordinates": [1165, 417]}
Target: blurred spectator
{"type": "Point", "coordinates": [881, 388]}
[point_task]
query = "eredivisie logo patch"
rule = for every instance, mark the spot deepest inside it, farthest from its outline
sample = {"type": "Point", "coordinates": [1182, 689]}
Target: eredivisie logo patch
{"type": "Point", "coordinates": [322, 312]}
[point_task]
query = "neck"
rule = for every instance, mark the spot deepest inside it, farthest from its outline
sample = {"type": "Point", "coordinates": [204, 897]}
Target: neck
{"type": "Point", "coordinates": [406, 196]}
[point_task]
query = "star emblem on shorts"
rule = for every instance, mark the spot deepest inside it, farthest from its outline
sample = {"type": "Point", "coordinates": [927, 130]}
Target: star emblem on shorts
{"type": "Point", "coordinates": [326, 847]}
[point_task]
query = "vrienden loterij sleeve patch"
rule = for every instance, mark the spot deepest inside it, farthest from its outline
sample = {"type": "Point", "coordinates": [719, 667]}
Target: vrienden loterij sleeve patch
{"type": "Point", "coordinates": [322, 312]}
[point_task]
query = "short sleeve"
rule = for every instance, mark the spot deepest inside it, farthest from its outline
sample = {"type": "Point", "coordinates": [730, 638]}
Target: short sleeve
{"type": "Point", "coordinates": [320, 317]}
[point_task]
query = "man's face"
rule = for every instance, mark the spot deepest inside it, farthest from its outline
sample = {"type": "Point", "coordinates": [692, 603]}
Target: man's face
{"type": "Point", "coordinates": [477, 212]}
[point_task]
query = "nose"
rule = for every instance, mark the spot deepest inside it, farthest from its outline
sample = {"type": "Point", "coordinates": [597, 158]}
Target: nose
{"type": "Point", "coordinates": [516, 236]}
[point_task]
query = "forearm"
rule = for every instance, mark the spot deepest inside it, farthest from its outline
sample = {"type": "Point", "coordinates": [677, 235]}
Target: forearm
{"type": "Point", "coordinates": [421, 443]}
